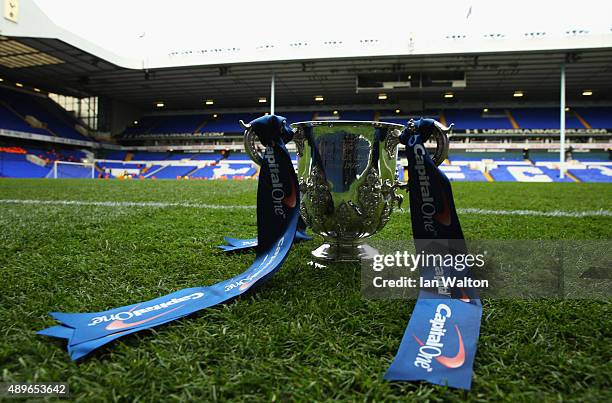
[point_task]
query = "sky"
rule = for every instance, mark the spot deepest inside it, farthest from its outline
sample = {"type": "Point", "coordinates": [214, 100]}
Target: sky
{"type": "Point", "coordinates": [142, 28]}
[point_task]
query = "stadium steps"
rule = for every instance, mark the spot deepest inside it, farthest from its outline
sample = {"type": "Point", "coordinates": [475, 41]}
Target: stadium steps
{"type": "Point", "coordinates": [443, 118]}
{"type": "Point", "coordinates": [572, 176]}
{"type": "Point", "coordinates": [581, 120]}
{"type": "Point", "coordinates": [188, 174]}
{"type": "Point", "coordinates": [513, 122]}
{"type": "Point", "coordinates": [488, 176]}
{"type": "Point", "coordinates": [200, 126]}
{"type": "Point", "coordinates": [152, 173]}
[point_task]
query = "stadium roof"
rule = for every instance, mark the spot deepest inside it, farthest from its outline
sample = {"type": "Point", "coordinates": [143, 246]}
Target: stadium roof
{"type": "Point", "coordinates": [486, 69]}
{"type": "Point", "coordinates": [157, 34]}
{"type": "Point", "coordinates": [488, 77]}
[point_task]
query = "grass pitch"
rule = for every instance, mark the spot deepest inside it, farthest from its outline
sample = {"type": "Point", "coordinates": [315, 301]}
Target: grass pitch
{"type": "Point", "coordinates": [305, 335]}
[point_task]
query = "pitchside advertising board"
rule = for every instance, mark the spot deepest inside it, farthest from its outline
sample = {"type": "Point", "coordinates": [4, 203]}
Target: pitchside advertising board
{"type": "Point", "coordinates": [533, 131]}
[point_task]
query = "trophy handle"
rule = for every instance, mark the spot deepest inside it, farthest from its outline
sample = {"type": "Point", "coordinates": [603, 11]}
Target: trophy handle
{"type": "Point", "coordinates": [249, 144]}
{"type": "Point", "coordinates": [441, 134]}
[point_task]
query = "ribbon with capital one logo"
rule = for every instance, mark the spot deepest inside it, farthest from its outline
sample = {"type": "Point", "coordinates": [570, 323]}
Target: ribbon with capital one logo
{"type": "Point", "coordinates": [439, 344]}
{"type": "Point", "coordinates": [278, 201]}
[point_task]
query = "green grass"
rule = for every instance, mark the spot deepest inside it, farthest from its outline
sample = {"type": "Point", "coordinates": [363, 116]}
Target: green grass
{"type": "Point", "coordinates": [305, 335]}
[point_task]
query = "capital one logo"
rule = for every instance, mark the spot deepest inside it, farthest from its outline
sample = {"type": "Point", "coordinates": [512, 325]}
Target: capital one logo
{"type": "Point", "coordinates": [428, 208]}
{"type": "Point", "coordinates": [118, 320]}
{"type": "Point", "coordinates": [279, 198]}
{"type": "Point", "coordinates": [432, 348]}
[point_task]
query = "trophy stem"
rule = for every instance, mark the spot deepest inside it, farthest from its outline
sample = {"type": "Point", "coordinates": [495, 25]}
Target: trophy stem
{"type": "Point", "coordinates": [346, 252]}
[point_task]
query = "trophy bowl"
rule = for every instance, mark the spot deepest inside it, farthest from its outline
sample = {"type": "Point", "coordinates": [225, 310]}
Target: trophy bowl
{"type": "Point", "coordinates": [347, 172]}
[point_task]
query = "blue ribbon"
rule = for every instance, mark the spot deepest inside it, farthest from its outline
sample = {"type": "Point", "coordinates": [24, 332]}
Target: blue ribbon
{"type": "Point", "coordinates": [439, 344]}
{"type": "Point", "coordinates": [278, 201]}
{"type": "Point", "coordinates": [234, 244]}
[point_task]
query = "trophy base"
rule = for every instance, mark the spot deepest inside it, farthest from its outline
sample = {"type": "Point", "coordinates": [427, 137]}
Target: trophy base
{"type": "Point", "coordinates": [345, 253]}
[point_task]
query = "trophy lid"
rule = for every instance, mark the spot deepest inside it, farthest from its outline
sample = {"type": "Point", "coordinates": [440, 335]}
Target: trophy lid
{"type": "Point", "coordinates": [354, 123]}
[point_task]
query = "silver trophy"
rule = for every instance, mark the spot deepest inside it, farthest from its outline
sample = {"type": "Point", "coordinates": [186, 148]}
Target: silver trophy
{"type": "Point", "coordinates": [347, 172]}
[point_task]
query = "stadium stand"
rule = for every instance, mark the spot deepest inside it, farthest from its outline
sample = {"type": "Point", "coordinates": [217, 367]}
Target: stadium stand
{"type": "Point", "coordinates": [12, 121]}
{"type": "Point", "coordinates": [55, 120]}
{"type": "Point", "coordinates": [13, 165]}
{"type": "Point", "coordinates": [508, 165]}
{"type": "Point", "coordinates": [464, 119]}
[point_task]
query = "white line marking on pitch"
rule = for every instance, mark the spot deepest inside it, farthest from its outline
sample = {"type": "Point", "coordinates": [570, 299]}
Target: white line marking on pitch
{"type": "Point", "coordinates": [122, 204]}
{"type": "Point", "coordinates": [554, 213]}
{"type": "Point", "coordinates": [477, 211]}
